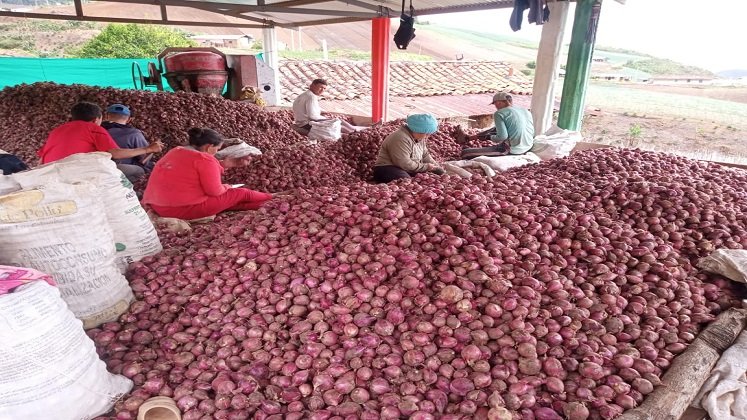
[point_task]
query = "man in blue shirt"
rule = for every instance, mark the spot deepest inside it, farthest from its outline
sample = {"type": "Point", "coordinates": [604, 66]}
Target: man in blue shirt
{"type": "Point", "coordinates": [513, 132]}
{"type": "Point", "coordinates": [116, 122]}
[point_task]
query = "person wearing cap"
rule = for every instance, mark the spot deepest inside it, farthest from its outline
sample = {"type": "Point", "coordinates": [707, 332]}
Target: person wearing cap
{"type": "Point", "coordinates": [306, 109]}
{"type": "Point", "coordinates": [117, 123]}
{"type": "Point", "coordinates": [84, 134]}
{"type": "Point", "coordinates": [404, 153]}
{"type": "Point", "coordinates": [513, 132]}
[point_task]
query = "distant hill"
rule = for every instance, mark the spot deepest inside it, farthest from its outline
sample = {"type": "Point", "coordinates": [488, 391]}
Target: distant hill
{"type": "Point", "coordinates": [48, 38]}
{"type": "Point", "coordinates": [732, 74]}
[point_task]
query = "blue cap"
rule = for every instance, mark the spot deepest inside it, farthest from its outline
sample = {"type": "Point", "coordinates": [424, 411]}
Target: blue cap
{"type": "Point", "coordinates": [118, 109]}
{"type": "Point", "coordinates": [422, 123]}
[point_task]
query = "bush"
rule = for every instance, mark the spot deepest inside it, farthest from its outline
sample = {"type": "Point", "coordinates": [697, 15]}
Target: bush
{"type": "Point", "coordinates": [133, 41]}
{"type": "Point", "coordinates": [532, 65]}
{"type": "Point", "coordinates": [526, 72]}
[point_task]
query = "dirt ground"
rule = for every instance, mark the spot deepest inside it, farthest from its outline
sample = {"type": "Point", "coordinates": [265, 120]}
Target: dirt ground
{"type": "Point", "coordinates": [697, 138]}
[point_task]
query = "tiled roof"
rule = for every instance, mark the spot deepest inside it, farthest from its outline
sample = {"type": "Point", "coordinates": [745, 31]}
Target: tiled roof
{"type": "Point", "coordinates": [442, 106]}
{"type": "Point", "coordinates": [352, 79]}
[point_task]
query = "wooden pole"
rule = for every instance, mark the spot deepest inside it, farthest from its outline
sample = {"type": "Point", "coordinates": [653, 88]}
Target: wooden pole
{"type": "Point", "coordinates": [690, 370]}
{"type": "Point", "coordinates": [578, 66]}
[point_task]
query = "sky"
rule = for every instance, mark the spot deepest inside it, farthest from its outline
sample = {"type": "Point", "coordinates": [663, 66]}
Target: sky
{"type": "Point", "coordinates": [711, 34]}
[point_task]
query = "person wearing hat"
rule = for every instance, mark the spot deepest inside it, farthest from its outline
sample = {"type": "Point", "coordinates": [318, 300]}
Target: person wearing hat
{"type": "Point", "coordinates": [84, 134]}
{"type": "Point", "coordinates": [513, 132]}
{"type": "Point", "coordinates": [404, 153]}
{"type": "Point", "coordinates": [117, 123]}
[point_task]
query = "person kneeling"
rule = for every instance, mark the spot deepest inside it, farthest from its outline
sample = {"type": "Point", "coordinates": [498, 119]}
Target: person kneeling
{"type": "Point", "coordinates": [404, 153]}
{"type": "Point", "coordinates": [513, 133]}
{"type": "Point", "coordinates": [186, 182]}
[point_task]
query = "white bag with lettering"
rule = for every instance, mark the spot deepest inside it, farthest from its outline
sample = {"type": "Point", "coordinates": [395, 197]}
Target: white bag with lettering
{"type": "Point", "coordinates": [61, 229]}
{"type": "Point", "coordinates": [50, 369]}
{"type": "Point", "coordinates": [325, 130]}
{"type": "Point", "coordinates": [134, 234]}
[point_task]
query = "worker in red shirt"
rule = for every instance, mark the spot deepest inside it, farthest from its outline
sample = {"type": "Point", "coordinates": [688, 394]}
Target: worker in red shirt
{"type": "Point", "coordinates": [186, 182]}
{"type": "Point", "coordinates": [84, 134]}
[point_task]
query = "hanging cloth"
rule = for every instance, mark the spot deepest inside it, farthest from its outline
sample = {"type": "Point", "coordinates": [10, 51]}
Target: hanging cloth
{"type": "Point", "coordinates": [406, 31]}
{"type": "Point", "coordinates": [539, 13]}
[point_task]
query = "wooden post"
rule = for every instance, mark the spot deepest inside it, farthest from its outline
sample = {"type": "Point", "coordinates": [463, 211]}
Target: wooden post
{"type": "Point", "coordinates": [578, 66]}
{"type": "Point", "coordinates": [690, 370]}
{"type": "Point", "coordinates": [548, 64]}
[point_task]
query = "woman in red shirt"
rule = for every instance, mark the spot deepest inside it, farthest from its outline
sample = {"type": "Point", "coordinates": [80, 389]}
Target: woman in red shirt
{"type": "Point", "coordinates": [186, 182]}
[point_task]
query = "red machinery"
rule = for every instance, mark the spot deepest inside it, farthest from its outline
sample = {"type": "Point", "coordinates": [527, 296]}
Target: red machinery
{"type": "Point", "coordinates": [206, 70]}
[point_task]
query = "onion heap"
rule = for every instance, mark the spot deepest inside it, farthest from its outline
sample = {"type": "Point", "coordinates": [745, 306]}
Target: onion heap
{"type": "Point", "coordinates": [558, 290]}
{"type": "Point", "coordinates": [30, 112]}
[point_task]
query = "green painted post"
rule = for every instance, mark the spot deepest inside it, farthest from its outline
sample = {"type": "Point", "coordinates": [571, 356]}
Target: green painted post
{"type": "Point", "coordinates": [579, 64]}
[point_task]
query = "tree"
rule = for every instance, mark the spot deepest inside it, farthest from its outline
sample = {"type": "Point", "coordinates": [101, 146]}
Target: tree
{"type": "Point", "coordinates": [133, 41]}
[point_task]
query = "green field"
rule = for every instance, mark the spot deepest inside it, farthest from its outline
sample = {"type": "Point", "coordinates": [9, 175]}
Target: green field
{"type": "Point", "coordinates": [649, 103]}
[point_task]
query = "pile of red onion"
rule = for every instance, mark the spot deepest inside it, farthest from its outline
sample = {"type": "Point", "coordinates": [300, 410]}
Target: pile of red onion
{"type": "Point", "coordinates": [29, 112]}
{"type": "Point", "coordinates": [557, 290]}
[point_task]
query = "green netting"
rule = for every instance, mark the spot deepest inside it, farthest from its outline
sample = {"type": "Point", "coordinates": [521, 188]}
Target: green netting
{"type": "Point", "coordinates": [104, 72]}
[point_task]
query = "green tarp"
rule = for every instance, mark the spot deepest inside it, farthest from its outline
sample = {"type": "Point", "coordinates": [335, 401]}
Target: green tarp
{"type": "Point", "coordinates": [104, 72]}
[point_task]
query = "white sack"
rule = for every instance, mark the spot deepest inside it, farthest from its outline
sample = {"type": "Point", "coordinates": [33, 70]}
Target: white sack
{"type": "Point", "coordinates": [50, 369]}
{"type": "Point", "coordinates": [555, 143]}
{"type": "Point", "coordinates": [325, 130]}
{"type": "Point", "coordinates": [237, 151]}
{"type": "Point", "coordinates": [504, 163]}
{"type": "Point", "coordinates": [60, 229]}
{"type": "Point", "coordinates": [134, 234]}
{"type": "Point", "coordinates": [730, 263]}
{"type": "Point", "coordinates": [469, 164]}
{"type": "Point", "coordinates": [724, 393]}
{"type": "Point", "coordinates": [456, 170]}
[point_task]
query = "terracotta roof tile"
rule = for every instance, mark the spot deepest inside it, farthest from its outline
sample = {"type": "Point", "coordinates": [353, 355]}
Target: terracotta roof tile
{"type": "Point", "coordinates": [352, 79]}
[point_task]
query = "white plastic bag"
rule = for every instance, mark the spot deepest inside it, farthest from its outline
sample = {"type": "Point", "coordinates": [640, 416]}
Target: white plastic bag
{"type": "Point", "coordinates": [134, 234]}
{"type": "Point", "coordinates": [504, 163]}
{"type": "Point", "coordinates": [325, 130]}
{"type": "Point", "coordinates": [724, 394]}
{"type": "Point", "coordinates": [555, 143]}
{"type": "Point", "coordinates": [61, 229]}
{"type": "Point", "coordinates": [50, 369]}
{"type": "Point", "coordinates": [237, 151]}
{"type": "Point", "coordinates": [730, 263]}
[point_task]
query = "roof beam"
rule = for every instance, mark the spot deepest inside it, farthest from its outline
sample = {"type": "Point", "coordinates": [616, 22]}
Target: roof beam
{"type": "Point", "coordinates": [52, 16]}
{"type": "Point", "coordinates": [328, 21]}
{"type": "Point", "coordinates": [497, 4]}
{"type": "Point", "coordinates": [164, 15]}
{"type": "Point", "coordinates": [78, 8]}
{"type": "Point", "coordinates": [200, 5]}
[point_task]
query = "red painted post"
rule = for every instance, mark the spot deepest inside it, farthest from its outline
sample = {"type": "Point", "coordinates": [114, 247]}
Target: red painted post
{"type": "Point", "coordinates": [380, 68]}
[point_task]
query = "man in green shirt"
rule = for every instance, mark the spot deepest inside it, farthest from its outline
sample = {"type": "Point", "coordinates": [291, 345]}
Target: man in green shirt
{"type": "Point", "coordinates": [513, 132]}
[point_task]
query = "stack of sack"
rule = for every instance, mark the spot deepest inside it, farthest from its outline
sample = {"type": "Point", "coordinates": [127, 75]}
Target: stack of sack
{"type": "Point", "coordinates": [79, 220]}
{"type": "Point", "coordinates": [49, 365]}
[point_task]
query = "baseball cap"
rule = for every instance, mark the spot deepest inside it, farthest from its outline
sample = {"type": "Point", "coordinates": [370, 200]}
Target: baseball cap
{"type": "Point", "coordinates": [501, 96]}
{"type": "Point", "coordinates": [118, 109]}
